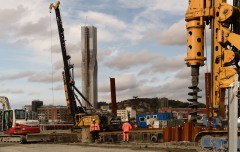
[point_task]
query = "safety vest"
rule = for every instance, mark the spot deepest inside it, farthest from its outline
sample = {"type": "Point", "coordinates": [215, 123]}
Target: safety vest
{"type": "Point", "coordinates": [126, 127]}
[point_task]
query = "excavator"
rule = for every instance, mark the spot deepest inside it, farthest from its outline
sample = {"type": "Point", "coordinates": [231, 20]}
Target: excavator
{"type": "Point", "coordinates": [17, 126]}
{"type": "Point", "coordinates": [15, 123]}
{"type": "Point", "coordinates": [224, 22]}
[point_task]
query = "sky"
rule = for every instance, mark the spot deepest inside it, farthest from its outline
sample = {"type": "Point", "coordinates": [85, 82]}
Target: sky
{"type": "Point", "coordinates": [141, 43]}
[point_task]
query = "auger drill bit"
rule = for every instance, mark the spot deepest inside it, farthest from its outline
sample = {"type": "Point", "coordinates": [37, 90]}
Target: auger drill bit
{"type": "Point", "coordinates": [195, 58]}
{"type": "Point", "coordinates": [195, 52]}
{"type": "Point", "coordinates": [194, 93]}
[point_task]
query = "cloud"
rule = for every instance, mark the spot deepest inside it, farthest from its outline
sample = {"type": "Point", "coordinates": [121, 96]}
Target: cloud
{"type": "Point", "coordinates": [155, 5]}
{"type": "Point", "coordinates": [46, 77]}
{"type": "Point", "coordinates": [108, 26]}
{"type": "Point", "coordinates": [40, 28]}
{"type": "Point", "coordinates": [11, 20]}
{"type": "Point", "coordinates": [104, 54]}
{"type": "Point", "coordinates": [11, 91]}
{"type": "Point", "coordinates": [134, 35]}
{"type": "Point", "coordinates": [13, 14]}
{"type": "Point", "coordinates": [57, 87]}
{"type": "Point", "coordinates": [154, 79]}
{"type": "Point", "coordinates": [103, 19]}
{"type": "Point", "coordinates": [55, 48]}
{"type": "Point", "coordinates": [54, 76]}
{"type": "Point", "coordinates": [129, 59]}
{"type": "Point", "coordinates": [76, 60]}
{"type": "Point", "coordinates": [106, 35]}
{"type": "Point", "coordinates": [176, 34]}
{"type": "Point", "coordinates": [164, 64]}
{"type": "Point", "coordinates": [124, 82]}
{"type": "Point", "coordinates": [34, 93]}
{"type": "Point", "coordinates": [184, 73]}
{"type": "Point", "coordinates": [154, 18]}
{"type": "Point", "coordinates": [14, 76]}
{"type": "Point", "coordinates": [133, 4]}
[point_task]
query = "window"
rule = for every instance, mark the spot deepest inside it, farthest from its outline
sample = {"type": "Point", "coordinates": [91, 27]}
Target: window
{"type": "Point", "coordinates": [6, 120]}
{"type": "Point", "coordinates": [20, 114]}
{"type": "Point", "coordinates": [141, 119]}
{"type": "Point", "coordinates": [154, 116]}
{"type": "Point", "coordinates": [147, 116]}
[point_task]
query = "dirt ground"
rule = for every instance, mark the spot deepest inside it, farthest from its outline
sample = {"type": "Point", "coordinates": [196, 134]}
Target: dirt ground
{"type": "Point", "coordinates": [12, 147]}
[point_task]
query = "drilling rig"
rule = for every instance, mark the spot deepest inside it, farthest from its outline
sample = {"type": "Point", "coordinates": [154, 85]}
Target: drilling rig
{"type": "Point", "coordinates": [81, 117]}
{"type": "Point", "coordinates": [223, 20]}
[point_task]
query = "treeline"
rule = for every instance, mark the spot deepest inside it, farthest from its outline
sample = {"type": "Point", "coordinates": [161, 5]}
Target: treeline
{"type": "Point", "coordinates": [150, 104]}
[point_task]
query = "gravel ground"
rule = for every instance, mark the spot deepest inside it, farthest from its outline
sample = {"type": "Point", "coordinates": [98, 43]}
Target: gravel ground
{"type": "Point", "coordinates": [77, 147]}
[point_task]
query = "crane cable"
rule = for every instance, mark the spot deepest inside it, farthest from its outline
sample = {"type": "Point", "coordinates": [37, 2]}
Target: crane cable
{"type": "Point", "coordinates": [51, 55]}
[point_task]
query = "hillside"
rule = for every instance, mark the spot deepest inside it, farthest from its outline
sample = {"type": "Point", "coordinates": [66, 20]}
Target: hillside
{"type": "Point", "coordinates": [152, 105]}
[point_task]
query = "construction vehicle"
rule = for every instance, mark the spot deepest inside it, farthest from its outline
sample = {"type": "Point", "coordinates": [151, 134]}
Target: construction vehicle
{"type": "Point", "coordinates": [223, 20]}
{"type": "Point", "coordinates": [77, 112]}
{"type": "Point", "coordinates": [82, 116]}
{"type": "Point", "coordinates": [16, 125]}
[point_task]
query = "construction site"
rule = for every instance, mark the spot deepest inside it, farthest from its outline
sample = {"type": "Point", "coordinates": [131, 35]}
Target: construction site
{"type": "Point", "coordinates": [212, 128]}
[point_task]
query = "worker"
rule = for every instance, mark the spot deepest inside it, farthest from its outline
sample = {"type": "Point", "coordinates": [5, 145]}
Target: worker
{"type": "Point", "coordinates": [211, 124]}
{"type": "Point", "coordinates": [94, 130]}
{"type": "Point", "coordinates": [126, 127]}
{"type": "Point", "coordinates": [135, 125]}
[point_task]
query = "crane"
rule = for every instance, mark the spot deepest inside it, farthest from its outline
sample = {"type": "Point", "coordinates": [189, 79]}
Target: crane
{"type": "Point", "coordinates": [82, 118]}
{"type": "Point", "coordinates": [78, 112]}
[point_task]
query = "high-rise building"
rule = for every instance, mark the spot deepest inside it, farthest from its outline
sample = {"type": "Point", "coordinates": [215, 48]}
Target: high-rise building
{"type": "Point", "coordinates": [89, 65]}
{"type": "Point", "coordinates": [36, 104]}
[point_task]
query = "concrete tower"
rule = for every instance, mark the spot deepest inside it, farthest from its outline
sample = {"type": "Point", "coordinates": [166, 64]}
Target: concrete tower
{"type": "Point", "coordinates": [89, 64]}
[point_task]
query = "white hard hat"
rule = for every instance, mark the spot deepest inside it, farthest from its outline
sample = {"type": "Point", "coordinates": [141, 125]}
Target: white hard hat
{"type": "Point", "coordinates": [93, 120]}
{"type": "Point", "coordinates": [126, 119]}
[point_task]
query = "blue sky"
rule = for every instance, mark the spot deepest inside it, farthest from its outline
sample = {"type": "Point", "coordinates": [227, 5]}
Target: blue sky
{"type": "Point", "coordinates": [141, 43]}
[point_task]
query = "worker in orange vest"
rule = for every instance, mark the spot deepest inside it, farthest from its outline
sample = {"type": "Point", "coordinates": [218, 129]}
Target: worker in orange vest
{"type": "Point", "coordinates": [126, 127]}
{"type": "Point", "coordinates": [94, 130]}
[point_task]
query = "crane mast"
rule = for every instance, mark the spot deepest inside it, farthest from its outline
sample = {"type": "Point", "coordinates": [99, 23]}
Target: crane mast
{"type": "Point", "coordinates": [222, 17]}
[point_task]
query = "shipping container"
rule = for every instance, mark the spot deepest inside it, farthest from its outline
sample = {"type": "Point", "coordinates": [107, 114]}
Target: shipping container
{"type": "Point", "coordinates": [144, 120]}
